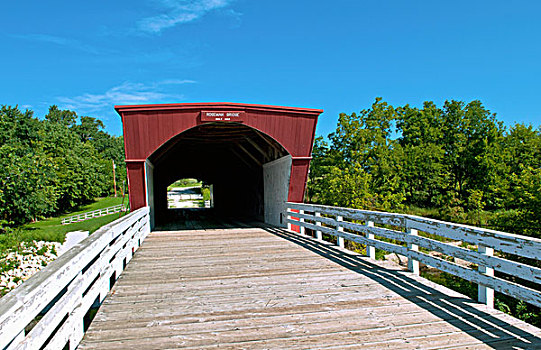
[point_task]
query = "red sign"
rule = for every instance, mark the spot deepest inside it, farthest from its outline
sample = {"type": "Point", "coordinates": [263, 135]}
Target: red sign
{"type": "Point", "coordinates": [222, 116]}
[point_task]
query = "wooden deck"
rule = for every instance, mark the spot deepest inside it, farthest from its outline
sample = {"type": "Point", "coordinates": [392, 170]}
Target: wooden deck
{"type": "Point", "coordinates": [262, 288]}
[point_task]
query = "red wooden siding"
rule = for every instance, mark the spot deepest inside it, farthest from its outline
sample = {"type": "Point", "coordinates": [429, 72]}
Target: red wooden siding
{"type": "Point", "coordinates": [148, 127]}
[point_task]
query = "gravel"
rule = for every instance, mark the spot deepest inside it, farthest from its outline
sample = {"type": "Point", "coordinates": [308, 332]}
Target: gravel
{"type": "Point", "coordinates": [29, 259]}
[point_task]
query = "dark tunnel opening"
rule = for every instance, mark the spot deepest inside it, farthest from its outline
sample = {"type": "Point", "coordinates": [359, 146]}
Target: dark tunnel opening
{"type": "Point", "coordinates": [230, 156]}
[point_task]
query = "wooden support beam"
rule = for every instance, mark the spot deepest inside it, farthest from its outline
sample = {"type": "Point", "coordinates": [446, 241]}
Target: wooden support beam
{"type": "Point", "coordinates": [265, 155]}
{"type": "Point", "coordinates": [370, 250]}
{"type": "Point", "coordinates": [486, 294]}
{"type": "Point", "coordinates": [249, 165]}
{"type": "Point", "coordinates": [273, 146]}
{"type": "Point", "coordinates": [249, 154]}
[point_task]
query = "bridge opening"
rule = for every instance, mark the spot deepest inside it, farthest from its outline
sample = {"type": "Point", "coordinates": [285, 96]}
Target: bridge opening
{"type": "Point", "coordinates": [249, 172]}
{"type": "Point", "coordinates": [188, 194]}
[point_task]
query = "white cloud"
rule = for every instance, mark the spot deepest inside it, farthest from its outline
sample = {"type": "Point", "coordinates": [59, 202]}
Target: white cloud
{"type": "Point", "coordinates": [178, 12]}
{"type": "Point", "coordinates": [126, 93]}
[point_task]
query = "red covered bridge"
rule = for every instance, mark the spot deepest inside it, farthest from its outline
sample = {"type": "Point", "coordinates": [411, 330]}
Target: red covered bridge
{"type": "Point", "coordinates": [256, 156]}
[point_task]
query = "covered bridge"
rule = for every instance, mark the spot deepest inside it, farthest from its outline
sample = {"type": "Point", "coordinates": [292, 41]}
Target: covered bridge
{"type": "Point", "coordinates": [256, 156]}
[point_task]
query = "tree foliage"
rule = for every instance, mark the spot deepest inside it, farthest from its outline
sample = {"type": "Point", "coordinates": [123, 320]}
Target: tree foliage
{"type": "Point", "coordinates": [52, 165]}
{"type": "Point", "coordinates": [458, 161]}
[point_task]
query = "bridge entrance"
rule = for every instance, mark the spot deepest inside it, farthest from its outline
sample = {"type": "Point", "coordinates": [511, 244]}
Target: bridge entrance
{"type": "Point", "coordinates": [234, 158]}
{"type": "Point", "coordinates": [254, 157]}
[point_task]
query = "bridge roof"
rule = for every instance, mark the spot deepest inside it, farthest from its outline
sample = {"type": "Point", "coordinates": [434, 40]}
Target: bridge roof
{"type": "Point", "coordinates": [217, 105]}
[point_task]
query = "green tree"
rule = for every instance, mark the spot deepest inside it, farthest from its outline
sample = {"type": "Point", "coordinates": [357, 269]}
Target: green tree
{"type": "Point", "coordinates": [54, 164]}
{"type": "Point", "coordinates": [26, 189]}
{"type": "Point", "coordinates": [470, 136]}
{"type": "Point", "coordinates": [421, 140]}
{"type": "Point", "coordinates": [64, 117]}
{"type": "Point", "coordinates": [362, 164]}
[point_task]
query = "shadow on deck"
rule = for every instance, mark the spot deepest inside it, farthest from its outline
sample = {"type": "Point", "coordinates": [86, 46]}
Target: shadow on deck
{"type": "Point", "coordinates": [266, 288]}
{"type": "Point", "coordinates": [462, 312]}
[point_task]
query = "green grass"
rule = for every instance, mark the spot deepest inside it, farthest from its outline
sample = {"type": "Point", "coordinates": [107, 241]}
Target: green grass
{"type": "Point", "coordinates": [52, 230]}
{"type": "Point", "coordinates": [185, 183]}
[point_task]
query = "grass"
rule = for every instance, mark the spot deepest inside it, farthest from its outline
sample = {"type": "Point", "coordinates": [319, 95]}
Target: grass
{"type": "Point", "coordinates": [185, 183]}
{"type": "Point", "coordinates": [52, 230]}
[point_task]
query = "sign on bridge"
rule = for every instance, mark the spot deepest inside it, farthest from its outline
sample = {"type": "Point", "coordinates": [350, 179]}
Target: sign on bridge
{"type": "Point", "coordinates": [222, 116]}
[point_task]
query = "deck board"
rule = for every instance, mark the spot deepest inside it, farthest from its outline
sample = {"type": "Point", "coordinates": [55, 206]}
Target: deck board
{"type": "Point", "coordinates": [257, 288]}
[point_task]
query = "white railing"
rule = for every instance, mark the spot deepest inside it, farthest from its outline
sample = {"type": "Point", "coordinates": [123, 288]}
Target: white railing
{"type": "Point", "coordinates": [368, 227]}
{"type": "Point", "coordinates": [48, 311]}
{"type": "Point", "coordinates": [94, 214]}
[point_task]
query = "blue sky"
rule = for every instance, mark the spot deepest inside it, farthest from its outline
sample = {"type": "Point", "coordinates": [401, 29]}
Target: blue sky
{"type": "Point", "coordinates": [335, 55]}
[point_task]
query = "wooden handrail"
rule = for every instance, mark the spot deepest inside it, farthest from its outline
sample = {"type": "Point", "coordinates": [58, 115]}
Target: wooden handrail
{"type": "Point", "coordinates": [359, 226]}
{"type": "Point", "coordinates": [64, 291]}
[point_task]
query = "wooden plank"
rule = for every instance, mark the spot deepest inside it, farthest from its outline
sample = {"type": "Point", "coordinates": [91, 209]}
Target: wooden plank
{"type": "Point", "coordinates": [354, 214]}
{"type": "Point", "coordinates": [365, 229]}
{"type": "Point", "coordinates": [249, 154]}
{"type": "Point", "coordinates": [506, 287]}
{"type": "Point", "coordinates": [317, 335]}
{"type": "Point", "coordinates": [528, 247]}
{"type": "Point", "coordinates": [509, 267]}
{"type": "Point", "coordinates": [317, 322]}
{"type": "Point", "coordinates": [287, 296]}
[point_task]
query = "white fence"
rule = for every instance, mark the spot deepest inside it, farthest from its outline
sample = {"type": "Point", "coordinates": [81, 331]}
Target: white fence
{"type": "Point", "coordinates": [48, 311]}
{"type": "Point", "coordinates": [368, 227]}
{"type": "Point", "coordinates": [94, 214]}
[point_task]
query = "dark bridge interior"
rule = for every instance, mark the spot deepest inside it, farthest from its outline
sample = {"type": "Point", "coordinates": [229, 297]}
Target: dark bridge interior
{"type": "Point", "coordinates": [230, 156]}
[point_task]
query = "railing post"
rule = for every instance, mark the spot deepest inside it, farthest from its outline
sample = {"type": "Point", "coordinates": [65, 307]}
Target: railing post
{"type": "Point", "coordinates": [413, 265]}
{"type": "Point", "coordinates": [340, 240]}
{"type": "Point", "coordinates": [75, 317]}
{"type": "Point", "coordinates": [301, 220]}
{"type": "Point", "coordinates": [485, 294]}
{"type": "Point", "coordinates": [78, 331]}
{"type": "Point", "coordinates": [370, 250]}
{"type": "Point", "coordinates": [288, 217]}
{"type": "Point", "coordinates": [319, 234]}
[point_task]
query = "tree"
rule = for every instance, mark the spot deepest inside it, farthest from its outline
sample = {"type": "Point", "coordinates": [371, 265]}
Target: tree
{"type": "Point", "coordinates": [90, 129]}
{"type": "Point", "coordinates": [470, 135]}
{"type": "Point", "coordinates": [361, 166]}
{"type": "Point", "coordinates": [421, 140]}
{"type": "Point", "coordinates": [26, 189]}
{"type": "Point", "coordinates": [64, 117]}
{"type": "Point", "coordinates": [53, 165]}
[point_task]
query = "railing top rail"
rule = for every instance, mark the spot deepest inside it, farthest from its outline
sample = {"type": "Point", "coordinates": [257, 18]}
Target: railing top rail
{"type": "Point", "coordinates": [531, 246]}
{"type": "Point", "coordinates": [356, 214]}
